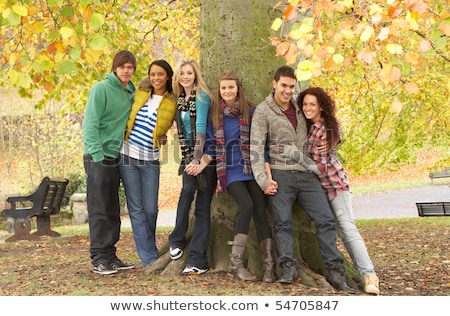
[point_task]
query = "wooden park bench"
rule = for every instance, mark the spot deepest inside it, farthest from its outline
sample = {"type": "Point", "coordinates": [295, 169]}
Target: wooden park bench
{"type": "Point", "coordinates": [434, 209]}
{"type": "Point", "coordinates": [45, 201]}
{"type": "Point", "coordinates": [440, 174]}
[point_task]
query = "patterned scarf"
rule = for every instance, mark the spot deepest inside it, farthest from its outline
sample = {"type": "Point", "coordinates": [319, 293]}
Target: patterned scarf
{"type": "Point", "coordinates": [221, 157]}
{"type": "Point", "coordinates": [187, 150]}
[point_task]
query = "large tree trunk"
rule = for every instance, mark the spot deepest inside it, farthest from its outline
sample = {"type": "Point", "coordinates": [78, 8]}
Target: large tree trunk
{"type": "Point", "coordinates": [235, 36]}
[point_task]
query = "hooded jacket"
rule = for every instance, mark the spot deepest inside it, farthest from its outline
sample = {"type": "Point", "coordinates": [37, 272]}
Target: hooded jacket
{"type": "Point", "coordinates": [107, 110]}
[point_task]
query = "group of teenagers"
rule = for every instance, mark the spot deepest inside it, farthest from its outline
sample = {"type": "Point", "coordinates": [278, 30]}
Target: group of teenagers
{"type": "Point", "coordinates": [292, 140]}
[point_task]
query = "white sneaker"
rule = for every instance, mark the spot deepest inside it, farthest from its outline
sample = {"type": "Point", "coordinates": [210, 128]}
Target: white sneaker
{"type": "Point", "coordinates": [371, 284]}
{"type": "Point", "coordinates": [176, 253]}
{"type": "Point", "coordinates": [192, 269]}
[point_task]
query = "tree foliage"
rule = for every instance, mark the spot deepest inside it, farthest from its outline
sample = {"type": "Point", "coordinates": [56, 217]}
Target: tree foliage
{"type": "Point", "coordinates": [63, 47]}
{"type": "Point", "coordinates": [385, 62]}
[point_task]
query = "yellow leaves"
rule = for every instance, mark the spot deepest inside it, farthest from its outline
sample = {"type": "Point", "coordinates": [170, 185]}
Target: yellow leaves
{"type": "Point", "coordinates": [412, 59]}
{"type": "Point", "coordinates": [384, 33]}
{"type": "Point", "coordinates": [305, 70]}
{"type": "Point", "coordinates": [87, 13]}
{"type": "Point", "coordinates": [66, 32]}
{"type": "Point", "coordinates": [20, 10]}
{"type": "Point", "coordinates": [367, 33]}
{"type": "Point", "coordinates": [412, 18]}
{"type": "Point", "coordinates": [374, 9]}
{"type": "Point", "coordinates": [38, 27]}
{"type": "Point", "coordinates": [276, 24]}
{"type": "Point", "coordinates": [6, 13]}
{"type": "Point", "coordinates": [96, 21]}
{"type": "Point", "coordinates": [394, 49]}
{"type": "Point", "coordinates": [338, 58]}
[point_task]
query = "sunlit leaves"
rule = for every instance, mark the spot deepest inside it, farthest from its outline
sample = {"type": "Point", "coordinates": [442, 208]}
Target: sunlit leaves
{"type": "Point", "coordinates": [398, 34]}
{"type": "Point", "coordinates": [394, 49]}
{"type": "Point", "coordinates": [367, 33]}
{"type": "Point", "coordinates": [277, 24]}
{"type": "Point", "coordinates": [66, 32]}
{"type": "Point", "coordinates": [20, 10]}
{"type": "Point", "coordinates": [44, 40]}
{"type": "Point", "coordinates": [305, 70]}
{"type": "Point", "coordinates": [66, 67]}
{"type": "Point", "coordinates": [97, 42]}
{"type": "Point", "coordinates": [96, 21]}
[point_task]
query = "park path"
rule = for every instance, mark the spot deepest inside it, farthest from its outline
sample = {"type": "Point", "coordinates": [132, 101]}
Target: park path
{"type": "Point", "coordinates": [391, 204]}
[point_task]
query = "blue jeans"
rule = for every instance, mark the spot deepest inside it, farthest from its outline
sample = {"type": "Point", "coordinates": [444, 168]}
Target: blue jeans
{"type": "Point", "coordinates": [200, 236]}
{"type": "Point", "coordinates": [303, 188]}
{"type": "Point", "coordinates": [141, 183]}
{"type": "Point", "coordinates": [346, 229]}
{"type": "Point", "coordinates": [103, 181]}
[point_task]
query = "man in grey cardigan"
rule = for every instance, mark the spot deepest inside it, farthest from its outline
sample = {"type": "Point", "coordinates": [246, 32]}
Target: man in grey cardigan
{"type": "Point", "coordinates": [278, 120]}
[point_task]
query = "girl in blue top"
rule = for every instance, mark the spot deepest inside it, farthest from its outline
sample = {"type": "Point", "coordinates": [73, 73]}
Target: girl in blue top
{"type": "Point", "coordinates": [193, 103]}
{"type": "Point", "coordinates": [231, 118]}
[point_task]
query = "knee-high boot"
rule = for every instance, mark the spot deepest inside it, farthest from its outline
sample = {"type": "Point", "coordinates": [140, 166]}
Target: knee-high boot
{"type": "Point", "coordinates": [268, 255]}
{"type": "Point", "coordinates": [236, 267]}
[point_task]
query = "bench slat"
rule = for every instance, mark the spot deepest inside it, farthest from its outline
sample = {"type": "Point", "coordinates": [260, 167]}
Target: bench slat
{"type": "Point", "coordinates": [433, 209]}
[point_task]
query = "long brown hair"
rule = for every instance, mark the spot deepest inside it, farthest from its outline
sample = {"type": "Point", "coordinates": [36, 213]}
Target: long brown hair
{"type": "Point", "coordinates": [329, 112]}
{"type": "Point", "coordinates": [244, 104]}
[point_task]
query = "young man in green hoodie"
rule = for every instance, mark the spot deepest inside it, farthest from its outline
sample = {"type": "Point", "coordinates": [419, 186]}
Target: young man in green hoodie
{"type": "Point", "coordinates": [107, 109]}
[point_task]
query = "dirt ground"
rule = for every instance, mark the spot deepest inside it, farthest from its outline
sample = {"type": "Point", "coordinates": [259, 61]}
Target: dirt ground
{"type": "Point", "coordinates": [410, 255]}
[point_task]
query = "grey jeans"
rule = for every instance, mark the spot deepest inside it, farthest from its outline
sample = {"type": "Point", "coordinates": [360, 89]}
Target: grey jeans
{"type": "Point", "coordinates": [304, 188]}
{"type": "Point", "coordinates": [346, 229]}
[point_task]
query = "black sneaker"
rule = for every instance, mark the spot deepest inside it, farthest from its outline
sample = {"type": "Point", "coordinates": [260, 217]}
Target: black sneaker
{"type": "Point", "coordinates": [119, 265]}
{"type": "Point", "coordinates": [104, 268]}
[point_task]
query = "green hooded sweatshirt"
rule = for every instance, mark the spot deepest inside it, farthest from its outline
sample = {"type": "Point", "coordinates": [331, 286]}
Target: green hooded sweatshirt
{"type": "Point", "coordinates": [105, 118]}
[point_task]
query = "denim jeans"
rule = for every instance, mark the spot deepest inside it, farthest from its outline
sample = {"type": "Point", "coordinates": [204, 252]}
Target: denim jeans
{"type": "Point", "coordinates": [103, 181]}
{"type": "Point", "coordinates": [141, 183]}
{"type": "Point", "coordinates": [346, 229]}
{"type": "Point", "coordinates": [200, 236]}
{"type": "Point", "coordinates": [303, 188]}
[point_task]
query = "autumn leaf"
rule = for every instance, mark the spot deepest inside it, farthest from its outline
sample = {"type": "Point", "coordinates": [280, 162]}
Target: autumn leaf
{"type": "Point", "coordinates": [367, 33]}
{"type": "Point", "coordinates": [416, 6]}
{"type": "Point", "coordinates": [445, 29]}
{"type": "Point", "coordinates": [290, 12]}
{"type": "Point", "coordinates": [411, 87]}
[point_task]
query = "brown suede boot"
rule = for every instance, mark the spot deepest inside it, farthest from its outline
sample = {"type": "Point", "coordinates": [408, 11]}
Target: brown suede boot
{"type": "Point", "coordinates": [268, 255]}
{"type": "Point", "coordinates": [236, 267]}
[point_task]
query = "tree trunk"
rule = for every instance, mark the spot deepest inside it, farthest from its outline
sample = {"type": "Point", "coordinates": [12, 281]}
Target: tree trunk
{"type": "Point", "coordinates": [235, 35]}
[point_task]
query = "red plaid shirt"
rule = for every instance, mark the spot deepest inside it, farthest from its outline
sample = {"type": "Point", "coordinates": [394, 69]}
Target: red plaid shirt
{"type": "Point", "coordinates": [333, 177]}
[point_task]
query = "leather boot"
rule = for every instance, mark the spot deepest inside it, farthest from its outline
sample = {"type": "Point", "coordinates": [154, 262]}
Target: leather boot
{"type": "Point", "coordinates": [336, 277]}
{"type": "Point", "coordinates": [236, 267]}
{"type": "Point", "coordinates": [290, 273]}
{"type": "Point", "coordinates": [268, 255]}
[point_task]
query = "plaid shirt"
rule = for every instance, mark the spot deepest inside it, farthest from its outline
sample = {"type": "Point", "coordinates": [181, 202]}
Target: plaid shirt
{"type": "Point", "coordinates": [333, 177]}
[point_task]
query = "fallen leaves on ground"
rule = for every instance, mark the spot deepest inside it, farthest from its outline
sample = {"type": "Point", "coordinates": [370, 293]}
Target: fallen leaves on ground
{"type": "Point", "coordinates": [410, 255]}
